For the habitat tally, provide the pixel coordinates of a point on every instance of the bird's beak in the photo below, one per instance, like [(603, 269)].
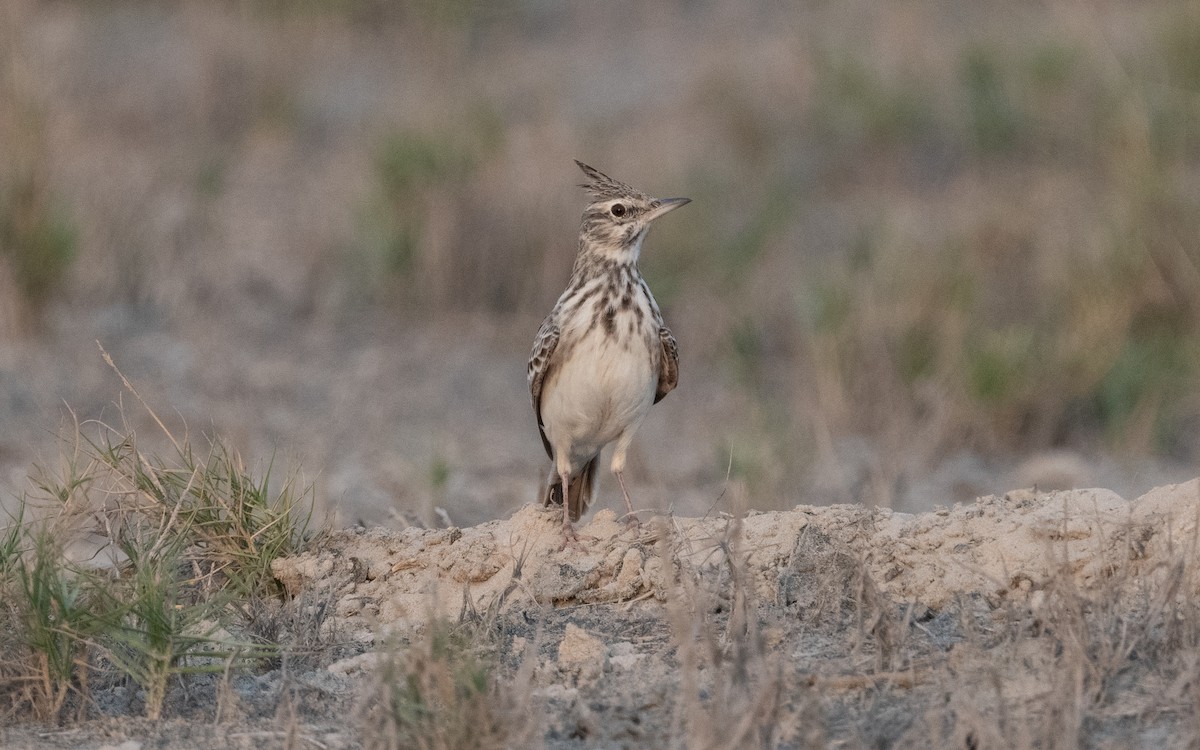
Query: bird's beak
[(665, 205)]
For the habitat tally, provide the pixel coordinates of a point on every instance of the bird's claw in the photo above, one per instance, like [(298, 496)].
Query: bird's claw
[(571, 539)]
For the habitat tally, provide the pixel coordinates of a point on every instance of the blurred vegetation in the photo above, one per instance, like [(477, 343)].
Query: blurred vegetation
[(407, 249), (37, 239), (38, 236), (978, 230), (1021, 335)]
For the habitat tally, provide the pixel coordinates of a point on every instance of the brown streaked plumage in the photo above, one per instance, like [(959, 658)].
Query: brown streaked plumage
[(603, 355)]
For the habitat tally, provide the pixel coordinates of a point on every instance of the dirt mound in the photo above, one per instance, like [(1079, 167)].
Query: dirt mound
[(999, 546), (1032, 619)]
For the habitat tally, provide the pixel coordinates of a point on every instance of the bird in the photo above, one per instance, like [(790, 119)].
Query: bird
[(603, 356)]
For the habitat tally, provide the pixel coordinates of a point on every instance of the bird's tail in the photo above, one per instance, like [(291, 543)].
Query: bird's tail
[(579, 495)]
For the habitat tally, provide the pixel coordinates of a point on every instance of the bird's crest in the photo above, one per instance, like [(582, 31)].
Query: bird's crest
[(602, 187)]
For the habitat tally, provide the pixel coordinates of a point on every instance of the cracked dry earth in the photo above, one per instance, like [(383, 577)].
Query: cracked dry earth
[(1028, 619)]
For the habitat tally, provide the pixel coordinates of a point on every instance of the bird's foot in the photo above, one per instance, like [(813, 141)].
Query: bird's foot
[(570, 539)]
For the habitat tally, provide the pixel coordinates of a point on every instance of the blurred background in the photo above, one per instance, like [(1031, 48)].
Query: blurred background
[(937, 248)]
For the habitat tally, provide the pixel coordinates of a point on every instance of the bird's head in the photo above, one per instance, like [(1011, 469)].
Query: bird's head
[(619, 216)]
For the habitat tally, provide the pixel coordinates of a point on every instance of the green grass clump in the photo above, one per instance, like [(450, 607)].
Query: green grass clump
[(232, 523), (38, 239), (995, 118), (164, 626), (419, 175), (55, 614), (858, 106), (66, 621), (175, 543)]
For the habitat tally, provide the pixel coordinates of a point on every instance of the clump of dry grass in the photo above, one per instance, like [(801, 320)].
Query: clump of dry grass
[(172, 541), (1055, 665), (299, 633), (445, 689), (1069, 667), (437, 694), (733, 691), (227, 523)]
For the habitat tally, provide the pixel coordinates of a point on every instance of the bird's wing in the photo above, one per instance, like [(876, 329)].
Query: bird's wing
[(541, 363), (668, 364)]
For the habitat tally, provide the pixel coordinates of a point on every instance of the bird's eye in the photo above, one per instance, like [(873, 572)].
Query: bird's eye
[(618, 209)]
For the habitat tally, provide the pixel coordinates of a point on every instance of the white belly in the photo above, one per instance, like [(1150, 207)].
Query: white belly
[(604, 388)]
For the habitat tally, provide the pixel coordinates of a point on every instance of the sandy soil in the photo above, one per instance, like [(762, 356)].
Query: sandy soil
[(817, 626), (998, 547)]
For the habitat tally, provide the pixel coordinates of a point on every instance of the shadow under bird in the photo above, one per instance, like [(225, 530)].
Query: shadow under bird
[(603, 356)]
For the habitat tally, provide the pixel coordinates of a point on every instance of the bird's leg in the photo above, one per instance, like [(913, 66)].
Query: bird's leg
[(570, 538), (618, 469), (631, 520)]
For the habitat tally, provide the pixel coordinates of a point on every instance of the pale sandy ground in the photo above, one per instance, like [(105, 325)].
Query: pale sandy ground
[(818, 626), (1000, 547)]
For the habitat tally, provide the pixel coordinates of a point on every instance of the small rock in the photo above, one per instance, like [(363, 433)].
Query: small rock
[(359, 663), (631, 569), (624, 656), (581, 653)]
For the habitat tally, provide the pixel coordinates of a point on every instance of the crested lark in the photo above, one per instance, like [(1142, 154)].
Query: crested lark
[(603, 355)]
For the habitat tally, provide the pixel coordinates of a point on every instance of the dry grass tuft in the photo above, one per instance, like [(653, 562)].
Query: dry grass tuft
[(445, 689), (131, 567), (442, 691), (733, 692), (1069, 667)]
